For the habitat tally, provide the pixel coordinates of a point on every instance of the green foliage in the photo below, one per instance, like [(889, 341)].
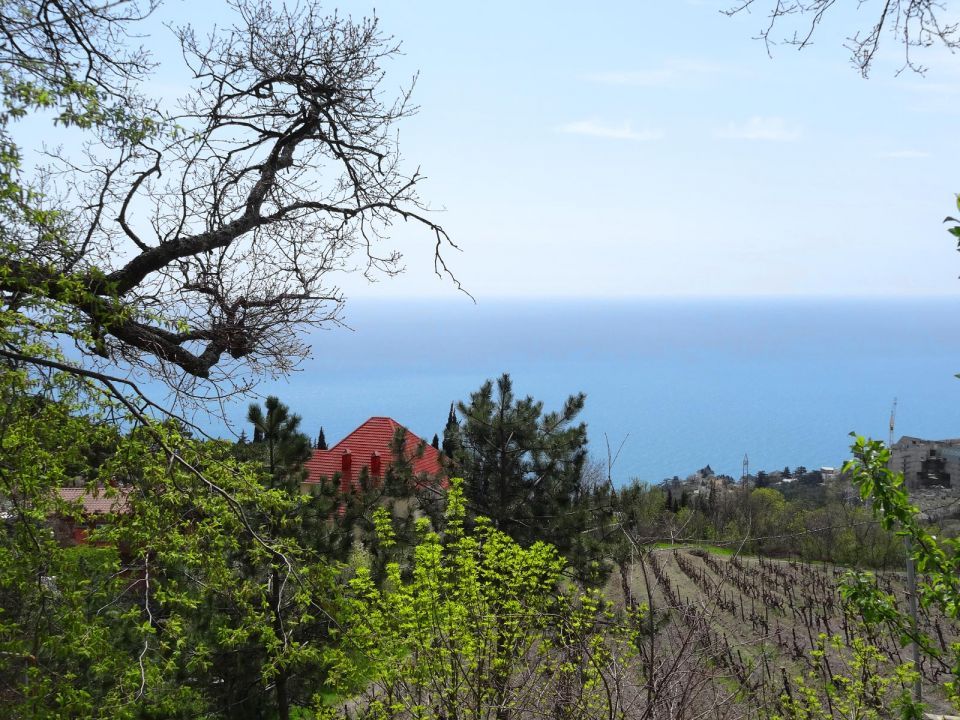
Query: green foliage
[(937, 560), (213, 590), (859, 689), (380, 515), (955, 230), (46, 592), (523, 468), (483, 628), (639, 518), (816, 523), (282, 447), (451, 435), (51, 74), (76, 633)]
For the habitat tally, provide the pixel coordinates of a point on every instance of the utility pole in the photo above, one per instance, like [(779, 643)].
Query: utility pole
[(613, 457), (912, 605), (911, 578)]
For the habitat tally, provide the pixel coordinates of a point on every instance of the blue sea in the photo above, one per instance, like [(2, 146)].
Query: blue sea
[(679, 383)]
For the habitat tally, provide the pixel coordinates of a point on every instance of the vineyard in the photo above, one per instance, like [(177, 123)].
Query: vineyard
[(759, 625)]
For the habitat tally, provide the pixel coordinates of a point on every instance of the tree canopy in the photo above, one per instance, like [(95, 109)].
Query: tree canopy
[(522, 467), (197, 242), (193, 243)]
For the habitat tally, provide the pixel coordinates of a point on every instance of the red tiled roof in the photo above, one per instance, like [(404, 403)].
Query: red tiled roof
[(97, 502), (373, 436)]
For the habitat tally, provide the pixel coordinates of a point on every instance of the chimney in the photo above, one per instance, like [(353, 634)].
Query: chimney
[(345, 479), (375, 464)]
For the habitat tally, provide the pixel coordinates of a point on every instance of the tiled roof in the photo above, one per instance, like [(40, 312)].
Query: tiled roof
[(373, 436), (97, 502)]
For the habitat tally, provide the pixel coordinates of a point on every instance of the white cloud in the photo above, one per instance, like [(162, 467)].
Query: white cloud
[(932, 88), (638, 78), (623, 131), (773, 129), (671, 73), (905, 154)]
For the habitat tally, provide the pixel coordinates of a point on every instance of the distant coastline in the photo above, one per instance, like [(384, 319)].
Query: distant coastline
[(690, 381)]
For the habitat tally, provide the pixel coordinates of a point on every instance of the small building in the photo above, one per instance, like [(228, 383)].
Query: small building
[(370, 447), (95, 506), (927, 463)]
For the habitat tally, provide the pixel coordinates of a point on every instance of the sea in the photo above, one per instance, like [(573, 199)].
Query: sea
[(671, 385)]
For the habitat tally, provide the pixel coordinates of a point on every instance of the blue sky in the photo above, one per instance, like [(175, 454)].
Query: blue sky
[(647, 149), (652, 148)]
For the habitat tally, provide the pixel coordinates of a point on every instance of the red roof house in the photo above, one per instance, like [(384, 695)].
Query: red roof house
[(370, 446), (95, 506), (98, 502)]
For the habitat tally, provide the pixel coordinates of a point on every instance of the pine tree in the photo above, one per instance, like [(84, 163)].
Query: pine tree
[(522, 467), (300, 522), (287, 447), (287, 450)]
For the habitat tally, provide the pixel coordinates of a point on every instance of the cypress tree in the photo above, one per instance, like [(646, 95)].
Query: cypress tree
[(451, 434), (436, 441), (321, 440)]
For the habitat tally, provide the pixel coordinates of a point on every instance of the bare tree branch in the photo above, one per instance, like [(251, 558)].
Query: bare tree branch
[(206, 239), (912, 23)]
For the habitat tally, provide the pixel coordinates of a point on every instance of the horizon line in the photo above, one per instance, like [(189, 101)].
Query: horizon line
[(480, 299)]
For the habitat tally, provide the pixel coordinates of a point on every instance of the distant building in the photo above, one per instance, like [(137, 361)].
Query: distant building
[(927, 463), (370, 447), (95, 506)]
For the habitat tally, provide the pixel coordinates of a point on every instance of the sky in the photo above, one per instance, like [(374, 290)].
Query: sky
[(654, 148), (635, 149)]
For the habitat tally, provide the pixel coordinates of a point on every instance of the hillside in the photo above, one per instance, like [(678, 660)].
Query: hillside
[(756, 623)]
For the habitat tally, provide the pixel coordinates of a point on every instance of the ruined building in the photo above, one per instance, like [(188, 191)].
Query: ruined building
[(927, 463)]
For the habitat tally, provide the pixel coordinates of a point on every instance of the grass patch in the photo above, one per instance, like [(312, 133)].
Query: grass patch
[(714, 549)]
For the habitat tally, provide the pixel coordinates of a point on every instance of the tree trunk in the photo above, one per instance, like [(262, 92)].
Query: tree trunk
[(280, 685), (624, 567)]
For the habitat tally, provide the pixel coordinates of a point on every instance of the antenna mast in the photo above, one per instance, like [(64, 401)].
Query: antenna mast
[(893, 420), (746, 468)]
